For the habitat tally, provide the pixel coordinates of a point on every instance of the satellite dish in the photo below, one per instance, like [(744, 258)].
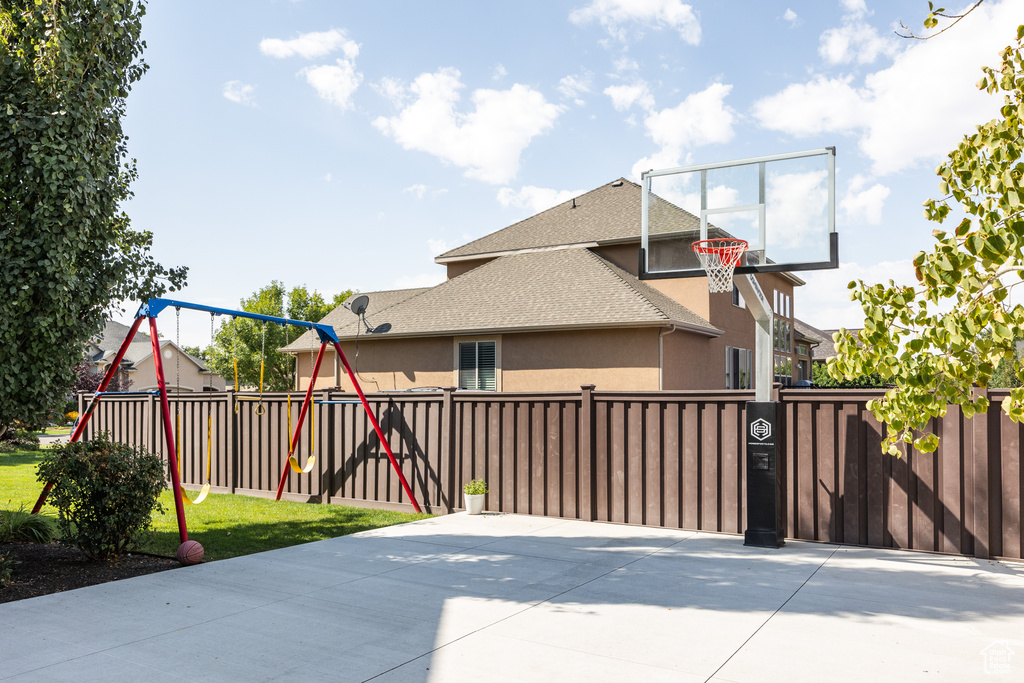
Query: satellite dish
[(358, 304)]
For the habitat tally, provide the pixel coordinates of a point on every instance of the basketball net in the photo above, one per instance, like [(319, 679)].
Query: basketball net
[(719, 258)]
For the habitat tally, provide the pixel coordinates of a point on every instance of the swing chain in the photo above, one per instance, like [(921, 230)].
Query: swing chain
[(208, 352), (260, 408)]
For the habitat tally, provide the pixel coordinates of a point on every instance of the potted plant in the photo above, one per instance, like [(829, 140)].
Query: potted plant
[(475, 493)]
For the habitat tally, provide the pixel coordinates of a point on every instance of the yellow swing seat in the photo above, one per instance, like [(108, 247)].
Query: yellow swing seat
[(205, 491), (293, 462)]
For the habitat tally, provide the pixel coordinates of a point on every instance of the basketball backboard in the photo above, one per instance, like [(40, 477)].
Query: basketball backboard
[(783, 205)]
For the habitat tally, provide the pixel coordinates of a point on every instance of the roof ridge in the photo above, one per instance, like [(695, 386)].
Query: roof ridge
[(536, 215)]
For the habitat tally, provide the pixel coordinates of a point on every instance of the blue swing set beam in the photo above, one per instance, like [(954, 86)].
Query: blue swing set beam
[(154, 307)]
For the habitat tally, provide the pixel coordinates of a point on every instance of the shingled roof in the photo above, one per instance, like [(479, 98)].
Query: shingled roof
[(555, 289), (341, 316), (607, 215)]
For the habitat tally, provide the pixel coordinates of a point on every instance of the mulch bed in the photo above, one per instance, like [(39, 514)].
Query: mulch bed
[(51, 568)]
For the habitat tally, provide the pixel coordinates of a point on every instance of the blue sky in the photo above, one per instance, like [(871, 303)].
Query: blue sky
[(343, 145)]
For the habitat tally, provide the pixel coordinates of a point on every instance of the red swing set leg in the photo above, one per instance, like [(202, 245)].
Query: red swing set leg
[(369, 414), (165, 409)]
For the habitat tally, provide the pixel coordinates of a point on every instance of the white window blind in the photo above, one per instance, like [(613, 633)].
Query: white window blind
[(477, 366)]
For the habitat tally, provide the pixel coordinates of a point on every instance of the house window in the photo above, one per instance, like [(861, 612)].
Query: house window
[(738, 368), (783, 335), (477, 366), (737, 298), (801, 349), (783, 369), (782, 304)]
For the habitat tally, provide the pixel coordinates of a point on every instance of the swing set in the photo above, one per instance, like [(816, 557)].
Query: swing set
[(151, 310)]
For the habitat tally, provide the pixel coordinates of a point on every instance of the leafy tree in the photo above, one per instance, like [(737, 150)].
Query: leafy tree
[(249, 341), (820, 377), (936, 341), (86, 379), (68, 251)]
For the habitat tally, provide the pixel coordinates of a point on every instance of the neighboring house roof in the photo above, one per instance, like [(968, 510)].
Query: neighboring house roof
[(607, 215), (825, 347), (556, 289), (340, 316), (108, 342), (811, 333)]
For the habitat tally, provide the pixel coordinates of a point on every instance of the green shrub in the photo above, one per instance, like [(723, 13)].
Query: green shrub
[(826, 381), (18, 440), (21, 526), (105, 493), (475, 487), (7, 565)]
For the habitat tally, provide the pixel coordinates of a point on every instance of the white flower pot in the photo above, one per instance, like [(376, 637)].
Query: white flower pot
[(475, 503)]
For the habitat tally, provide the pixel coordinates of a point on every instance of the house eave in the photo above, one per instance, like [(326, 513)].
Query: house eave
[(480, 331)]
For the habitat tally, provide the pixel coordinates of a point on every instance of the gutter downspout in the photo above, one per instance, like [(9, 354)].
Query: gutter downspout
[(661, 355)]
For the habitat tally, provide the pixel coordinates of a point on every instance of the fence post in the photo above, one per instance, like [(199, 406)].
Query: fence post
[(81, 411), (587, 456), (446, 466), (326, 434), (981, 522), (231, 456)]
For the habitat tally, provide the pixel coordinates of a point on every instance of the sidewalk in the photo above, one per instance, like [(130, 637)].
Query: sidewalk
[(516, 598)]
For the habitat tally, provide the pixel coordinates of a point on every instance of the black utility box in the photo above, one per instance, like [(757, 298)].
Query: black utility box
[(766, 512)]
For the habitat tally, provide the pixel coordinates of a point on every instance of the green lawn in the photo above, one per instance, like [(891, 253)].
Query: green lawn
[(226, 525)]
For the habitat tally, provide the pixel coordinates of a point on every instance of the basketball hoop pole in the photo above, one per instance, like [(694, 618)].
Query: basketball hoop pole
[(764, 360)]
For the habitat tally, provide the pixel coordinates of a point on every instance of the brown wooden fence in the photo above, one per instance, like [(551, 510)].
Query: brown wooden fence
[(672, 459)]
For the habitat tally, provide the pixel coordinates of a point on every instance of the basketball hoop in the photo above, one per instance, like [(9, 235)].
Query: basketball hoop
[(719, 257)]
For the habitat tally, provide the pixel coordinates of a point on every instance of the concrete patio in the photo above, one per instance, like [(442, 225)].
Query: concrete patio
[(516, 598)]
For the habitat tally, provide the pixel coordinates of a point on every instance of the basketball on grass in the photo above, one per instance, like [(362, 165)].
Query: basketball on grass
[(190, 552)]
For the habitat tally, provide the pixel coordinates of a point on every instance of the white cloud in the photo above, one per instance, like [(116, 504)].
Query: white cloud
[(913, 111), (421, 280), (791, 17), (616, 15), (239, 92), (856, 41), (625, 96), (702, 118), (864, 204), (624, 63), (328, 177), (487, 141), (535, 199), (392, 89), (572, 86), (310, 45), (499, 72), (822, 104), (417, 190), (855, 7), (336, 84), (824, 301), (438, 247), (797, 204)]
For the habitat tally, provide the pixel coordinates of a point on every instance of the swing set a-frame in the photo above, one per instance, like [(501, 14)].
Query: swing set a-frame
[(151, 309)]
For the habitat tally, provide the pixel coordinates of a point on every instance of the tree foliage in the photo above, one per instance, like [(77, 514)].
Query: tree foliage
[(250, 341), (821, 378), (936, 341), (68, 252)]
